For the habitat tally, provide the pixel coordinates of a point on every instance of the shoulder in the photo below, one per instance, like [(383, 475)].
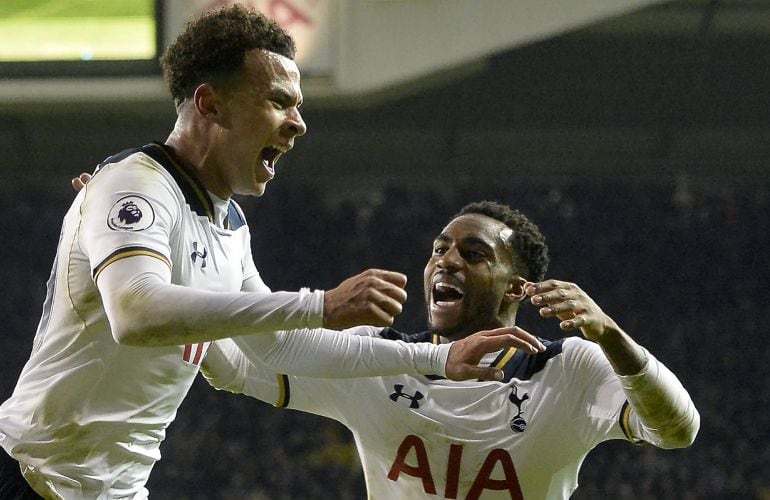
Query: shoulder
[(584, 356), (131, 170)]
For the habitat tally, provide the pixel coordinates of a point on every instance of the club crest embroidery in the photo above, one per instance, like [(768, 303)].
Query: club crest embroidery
[(518, 424), (131, 213)]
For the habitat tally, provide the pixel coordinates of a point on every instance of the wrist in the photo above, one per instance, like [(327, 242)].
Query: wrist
[(626, 356)]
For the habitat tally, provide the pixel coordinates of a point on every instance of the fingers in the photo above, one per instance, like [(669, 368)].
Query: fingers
[(501, 338), (383, 307), (393, 277), (468, 372), (560, 299), (551, 291), (575, 323), (486, 373), (465, 354), (389, 283), (570, 304), (80, 181), (373, 297)]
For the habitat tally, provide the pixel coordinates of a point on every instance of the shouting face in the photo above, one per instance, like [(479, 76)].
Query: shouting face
[(469, 276), (261, 119)]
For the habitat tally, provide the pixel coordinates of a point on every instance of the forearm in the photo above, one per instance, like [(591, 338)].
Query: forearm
[(333, 354), (624, 354), (145, 309)]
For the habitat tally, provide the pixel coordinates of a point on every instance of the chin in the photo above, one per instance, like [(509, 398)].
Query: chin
[(257, 189)]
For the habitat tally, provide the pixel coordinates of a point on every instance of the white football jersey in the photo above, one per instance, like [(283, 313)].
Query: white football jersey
[(88, 415), (428, 437)]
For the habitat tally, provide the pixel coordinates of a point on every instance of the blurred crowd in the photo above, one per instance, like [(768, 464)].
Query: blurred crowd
[(683, 268)]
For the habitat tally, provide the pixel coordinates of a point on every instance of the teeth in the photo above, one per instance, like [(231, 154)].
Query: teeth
[(441, 286)]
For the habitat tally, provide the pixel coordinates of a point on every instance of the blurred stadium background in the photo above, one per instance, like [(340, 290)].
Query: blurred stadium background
[(636, 133)]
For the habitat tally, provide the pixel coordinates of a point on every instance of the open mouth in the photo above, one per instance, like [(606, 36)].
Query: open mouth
[(446, 294), (269, 157)]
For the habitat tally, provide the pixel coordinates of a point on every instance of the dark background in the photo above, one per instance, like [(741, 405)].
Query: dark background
[(642, 156)]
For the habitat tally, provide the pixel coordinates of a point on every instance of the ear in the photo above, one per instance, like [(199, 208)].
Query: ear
[(515, 291), (206, 101)]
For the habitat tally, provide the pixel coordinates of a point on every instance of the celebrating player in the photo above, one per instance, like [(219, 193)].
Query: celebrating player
[(154, 267), (421, 436)]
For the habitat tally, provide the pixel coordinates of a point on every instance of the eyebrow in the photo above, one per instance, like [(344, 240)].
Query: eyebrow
[(473, 240), (285, 96)]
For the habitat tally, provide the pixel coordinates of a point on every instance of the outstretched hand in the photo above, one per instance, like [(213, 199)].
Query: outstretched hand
[(374, 297), (570, 304), (465, 354)]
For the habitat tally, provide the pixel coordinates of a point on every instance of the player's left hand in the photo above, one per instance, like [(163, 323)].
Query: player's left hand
[(80, 181), (570, 304), (465, 354)]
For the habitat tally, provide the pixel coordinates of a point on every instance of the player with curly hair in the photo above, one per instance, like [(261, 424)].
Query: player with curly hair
[(525, 436), (154, 276)]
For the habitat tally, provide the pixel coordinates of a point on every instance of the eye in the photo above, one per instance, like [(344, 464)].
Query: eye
[(439, 250), (474, 255)]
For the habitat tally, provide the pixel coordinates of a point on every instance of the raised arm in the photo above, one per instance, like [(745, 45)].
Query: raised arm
[(665, 410)]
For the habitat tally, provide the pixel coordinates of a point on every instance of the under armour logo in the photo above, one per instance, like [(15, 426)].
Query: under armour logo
[(399, 388), (518, 424), (196, 254)]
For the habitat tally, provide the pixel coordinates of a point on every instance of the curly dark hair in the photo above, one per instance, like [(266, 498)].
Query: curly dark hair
[(526, 240), (212, 48)]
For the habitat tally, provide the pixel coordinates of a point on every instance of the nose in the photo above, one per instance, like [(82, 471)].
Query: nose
[(295, 124)]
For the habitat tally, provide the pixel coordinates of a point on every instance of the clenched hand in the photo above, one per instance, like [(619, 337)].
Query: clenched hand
[(373, 297)]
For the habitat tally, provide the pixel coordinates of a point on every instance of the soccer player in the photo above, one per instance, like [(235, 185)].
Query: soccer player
[(154, 268), (526, 436)]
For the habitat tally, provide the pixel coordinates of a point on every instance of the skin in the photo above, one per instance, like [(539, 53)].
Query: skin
[(472, 254), (577, 311), (223, 133)]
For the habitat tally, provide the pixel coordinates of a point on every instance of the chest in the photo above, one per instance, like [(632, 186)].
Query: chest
[(208, 257), (454, 439)]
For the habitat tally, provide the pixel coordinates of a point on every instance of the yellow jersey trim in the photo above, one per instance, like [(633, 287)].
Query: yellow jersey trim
[(128, 252), (283, 390)]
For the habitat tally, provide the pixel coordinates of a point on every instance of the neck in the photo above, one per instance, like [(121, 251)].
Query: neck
[(190, 140), (463, 331)]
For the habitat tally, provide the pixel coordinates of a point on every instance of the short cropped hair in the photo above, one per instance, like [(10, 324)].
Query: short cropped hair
[(212, 48), (526, 240)]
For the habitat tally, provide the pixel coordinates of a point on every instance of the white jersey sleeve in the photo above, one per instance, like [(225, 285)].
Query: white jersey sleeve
[(128, 211), (663, 412), (355, 352), (593, 386)]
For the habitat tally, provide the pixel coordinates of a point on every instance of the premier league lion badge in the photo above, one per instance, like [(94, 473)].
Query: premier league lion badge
[(131, 213)]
